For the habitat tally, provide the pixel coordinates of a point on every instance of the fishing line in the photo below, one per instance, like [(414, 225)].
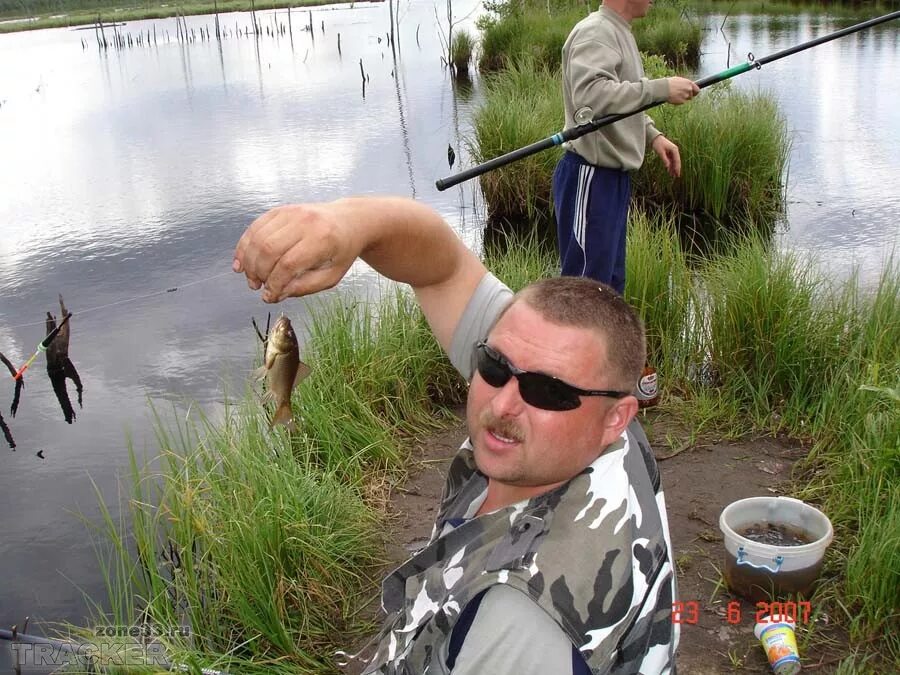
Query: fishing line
[(42, 346), (136, 298)]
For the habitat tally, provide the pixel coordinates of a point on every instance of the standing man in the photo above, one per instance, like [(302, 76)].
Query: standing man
[(550, 552), (603, 75)]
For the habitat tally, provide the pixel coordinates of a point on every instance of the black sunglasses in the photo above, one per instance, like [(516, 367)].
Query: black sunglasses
[(536, 389)]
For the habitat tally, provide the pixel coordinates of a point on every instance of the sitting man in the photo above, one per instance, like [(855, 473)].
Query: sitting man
[(551, 552)]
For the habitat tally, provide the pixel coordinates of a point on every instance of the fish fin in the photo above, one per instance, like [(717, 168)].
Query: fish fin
[(267, 396), (268, 360), (283, 415), (260, 373), (62, 307), (303, 372)]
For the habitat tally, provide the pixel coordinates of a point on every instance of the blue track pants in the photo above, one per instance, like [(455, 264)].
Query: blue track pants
[(591, 205)]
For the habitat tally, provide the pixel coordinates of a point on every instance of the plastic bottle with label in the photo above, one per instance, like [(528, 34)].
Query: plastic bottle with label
[(647, 392)]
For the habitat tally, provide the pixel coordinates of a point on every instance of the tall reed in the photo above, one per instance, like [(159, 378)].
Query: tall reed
[(259, 557), (734, 153), (520, 105), (461, 49), (658, 281)]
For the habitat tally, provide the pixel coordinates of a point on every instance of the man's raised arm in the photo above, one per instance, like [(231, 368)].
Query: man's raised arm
[(301, 249)]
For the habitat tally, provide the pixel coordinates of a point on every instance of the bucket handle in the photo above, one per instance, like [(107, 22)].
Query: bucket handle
[(779, 559)]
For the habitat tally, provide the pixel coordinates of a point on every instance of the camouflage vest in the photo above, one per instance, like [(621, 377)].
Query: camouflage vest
[(593, 554)]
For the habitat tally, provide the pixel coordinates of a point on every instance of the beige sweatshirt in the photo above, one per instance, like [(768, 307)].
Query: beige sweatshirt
[(602, 70)]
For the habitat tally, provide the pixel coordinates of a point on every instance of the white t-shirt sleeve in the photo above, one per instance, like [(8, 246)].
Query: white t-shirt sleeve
[(511, 635), (490, 297)]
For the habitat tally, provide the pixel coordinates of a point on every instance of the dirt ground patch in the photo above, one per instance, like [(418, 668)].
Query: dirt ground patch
[(699, 480)]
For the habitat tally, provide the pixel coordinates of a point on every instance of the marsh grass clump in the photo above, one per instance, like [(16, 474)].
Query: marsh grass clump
[(259, 556), (379, 377), (516, 30), (520, 105), (734, 162), (520, 257), (822, 363), (526, 31), (789, 351), (734, 154), (673, 33), (461, 49), (659, 283)]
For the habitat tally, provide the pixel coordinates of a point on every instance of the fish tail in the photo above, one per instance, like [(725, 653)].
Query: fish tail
[(283, 415)]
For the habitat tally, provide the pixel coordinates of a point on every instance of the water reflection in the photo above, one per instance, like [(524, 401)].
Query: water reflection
[(839, 99)]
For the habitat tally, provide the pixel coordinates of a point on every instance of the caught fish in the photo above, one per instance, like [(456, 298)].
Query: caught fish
[(7, 434), (59, 366), (283, 369)]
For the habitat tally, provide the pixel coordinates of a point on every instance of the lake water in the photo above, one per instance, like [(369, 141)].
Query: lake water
[(132, 172), (840, 102)]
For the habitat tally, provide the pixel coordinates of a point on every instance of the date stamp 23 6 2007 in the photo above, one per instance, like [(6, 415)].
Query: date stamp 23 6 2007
[(688, 612)]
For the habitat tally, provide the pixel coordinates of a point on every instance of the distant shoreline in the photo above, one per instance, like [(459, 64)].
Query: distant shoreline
[(114, 14)]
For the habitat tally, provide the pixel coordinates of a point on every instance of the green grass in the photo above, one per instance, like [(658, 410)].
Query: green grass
[(513, 31), (461, 48), (734, 146), (517, 32), (672, 31), (277, 532), (262, 558), (734, 150), (785, 350), (521, 105), (660, 284)]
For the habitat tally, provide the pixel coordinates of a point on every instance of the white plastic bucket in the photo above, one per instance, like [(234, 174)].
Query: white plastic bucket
[(758, 570)]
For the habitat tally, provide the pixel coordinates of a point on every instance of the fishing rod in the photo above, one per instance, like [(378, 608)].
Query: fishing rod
[(578, 131), (84, 649)]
